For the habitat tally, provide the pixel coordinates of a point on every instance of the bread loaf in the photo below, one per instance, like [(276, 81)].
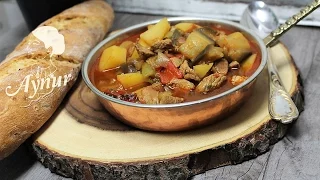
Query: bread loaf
[(34, 81)]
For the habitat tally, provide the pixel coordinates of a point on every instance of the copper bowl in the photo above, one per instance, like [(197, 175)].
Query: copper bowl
[(181, 116)]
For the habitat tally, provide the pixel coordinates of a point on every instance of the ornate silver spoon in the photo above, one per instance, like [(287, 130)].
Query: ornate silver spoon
[(260, 18)]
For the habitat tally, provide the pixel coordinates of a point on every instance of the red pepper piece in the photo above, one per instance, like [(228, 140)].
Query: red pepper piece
[(174, 70), (169, 73), (165, 76)]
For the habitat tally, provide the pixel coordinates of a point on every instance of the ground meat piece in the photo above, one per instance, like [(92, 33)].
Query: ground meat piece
[(167, 98), (192, 76), (155, 79), (144, 52), (148, 95), (221, 67), (181, 40), (187, 72), (234, 65), (210, 82), (161, 60), (137, 63), (162, 45), (181, 83), (157, 86), (152, 61), (236, 80)]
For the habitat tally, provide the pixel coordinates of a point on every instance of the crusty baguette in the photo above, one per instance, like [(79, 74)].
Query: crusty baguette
[(29, 67)]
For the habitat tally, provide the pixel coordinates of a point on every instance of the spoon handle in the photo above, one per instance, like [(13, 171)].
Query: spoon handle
[(274, 35), (281, 106)]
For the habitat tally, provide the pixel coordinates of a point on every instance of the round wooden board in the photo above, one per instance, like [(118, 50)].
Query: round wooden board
[(71, 145)]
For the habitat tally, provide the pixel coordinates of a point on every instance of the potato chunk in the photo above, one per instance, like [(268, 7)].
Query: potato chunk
[(127, 44), (248, 63), (185, 27), (134, 56), (112, 57), (143, 43), (130, 79), (202, 69), (156, 32), (236, 46)]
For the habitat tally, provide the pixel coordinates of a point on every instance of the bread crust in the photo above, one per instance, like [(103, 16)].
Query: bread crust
[(33, 83)]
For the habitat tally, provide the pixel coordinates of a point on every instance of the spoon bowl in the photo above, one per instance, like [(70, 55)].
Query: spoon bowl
[(260, 18)]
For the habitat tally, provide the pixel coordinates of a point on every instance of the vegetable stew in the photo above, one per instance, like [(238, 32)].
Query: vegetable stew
[(172, 64)]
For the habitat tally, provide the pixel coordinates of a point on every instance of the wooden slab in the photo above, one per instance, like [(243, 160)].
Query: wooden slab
[(70, 144)]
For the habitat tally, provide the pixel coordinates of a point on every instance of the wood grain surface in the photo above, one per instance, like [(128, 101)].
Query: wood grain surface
[(113, 151), (295, 157)]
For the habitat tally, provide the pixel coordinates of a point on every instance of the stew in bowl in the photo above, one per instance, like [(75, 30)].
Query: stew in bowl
[(168, 64), (175, 74)]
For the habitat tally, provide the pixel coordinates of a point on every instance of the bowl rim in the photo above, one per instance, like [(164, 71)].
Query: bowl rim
[(85, 65)]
